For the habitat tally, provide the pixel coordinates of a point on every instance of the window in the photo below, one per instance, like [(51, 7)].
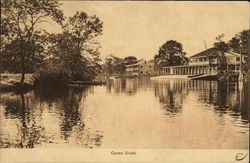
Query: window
[(141, 66), (141, 72), (237, 58)]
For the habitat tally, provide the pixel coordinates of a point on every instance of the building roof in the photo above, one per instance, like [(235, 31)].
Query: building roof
[(206, 53), (139, 62), (134, 64), (211, 52)]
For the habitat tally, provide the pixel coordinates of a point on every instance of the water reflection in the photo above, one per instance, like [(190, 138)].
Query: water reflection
[(192, 114), (45, 116), (170, 94)]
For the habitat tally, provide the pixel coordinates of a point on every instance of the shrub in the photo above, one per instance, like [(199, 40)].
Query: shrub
[(53, 73)]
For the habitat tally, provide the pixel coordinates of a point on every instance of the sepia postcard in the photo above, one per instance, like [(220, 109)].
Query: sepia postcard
[(124, 81)]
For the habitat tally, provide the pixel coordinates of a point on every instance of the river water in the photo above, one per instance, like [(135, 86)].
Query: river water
[(128, 113)]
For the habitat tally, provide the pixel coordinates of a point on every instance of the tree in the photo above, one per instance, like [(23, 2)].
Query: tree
[(130, 60), (77, 47), (114, 65), (222, 47), (170, 54), (21, 20), (239, 43), (12, 51)]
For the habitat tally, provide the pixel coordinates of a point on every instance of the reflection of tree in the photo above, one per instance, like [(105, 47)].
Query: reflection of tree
[(173, 104), (123, 85), (119, 86), (70, 111), (63, 104), (108, 86), (222, 96), (30, 133), (67, 101), (226, 97), (244, 101), (131, 86), (128, 86), (51, 94), (171, 94)]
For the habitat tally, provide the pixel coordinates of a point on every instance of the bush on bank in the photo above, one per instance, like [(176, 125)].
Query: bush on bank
[(51, 73), (56, 73), (228, 76)]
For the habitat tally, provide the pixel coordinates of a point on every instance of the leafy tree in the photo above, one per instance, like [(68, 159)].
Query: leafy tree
[(222, 47), (11, 56), (170, 54), (130, 60), (239, 43), (119, 67), (77, 47), (21, 20), (109, 64), (114, 65)]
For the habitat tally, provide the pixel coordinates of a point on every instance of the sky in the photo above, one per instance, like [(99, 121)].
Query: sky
[(137, 28)]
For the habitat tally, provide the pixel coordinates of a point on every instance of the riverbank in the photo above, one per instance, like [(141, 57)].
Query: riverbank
[(95, 82), (10, 82)]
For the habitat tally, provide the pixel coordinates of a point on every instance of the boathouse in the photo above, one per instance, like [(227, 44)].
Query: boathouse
[(205, 62)]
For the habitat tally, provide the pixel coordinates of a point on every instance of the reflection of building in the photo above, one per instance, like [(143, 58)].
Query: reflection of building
[(142, 68), (205, 62)]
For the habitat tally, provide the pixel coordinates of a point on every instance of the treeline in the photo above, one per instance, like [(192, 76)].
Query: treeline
[(26, 47)]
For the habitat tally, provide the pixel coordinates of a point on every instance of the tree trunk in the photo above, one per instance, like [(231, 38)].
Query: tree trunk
[(22, 71)]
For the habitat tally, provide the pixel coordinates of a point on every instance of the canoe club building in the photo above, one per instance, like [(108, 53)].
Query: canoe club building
[(205, 62)]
